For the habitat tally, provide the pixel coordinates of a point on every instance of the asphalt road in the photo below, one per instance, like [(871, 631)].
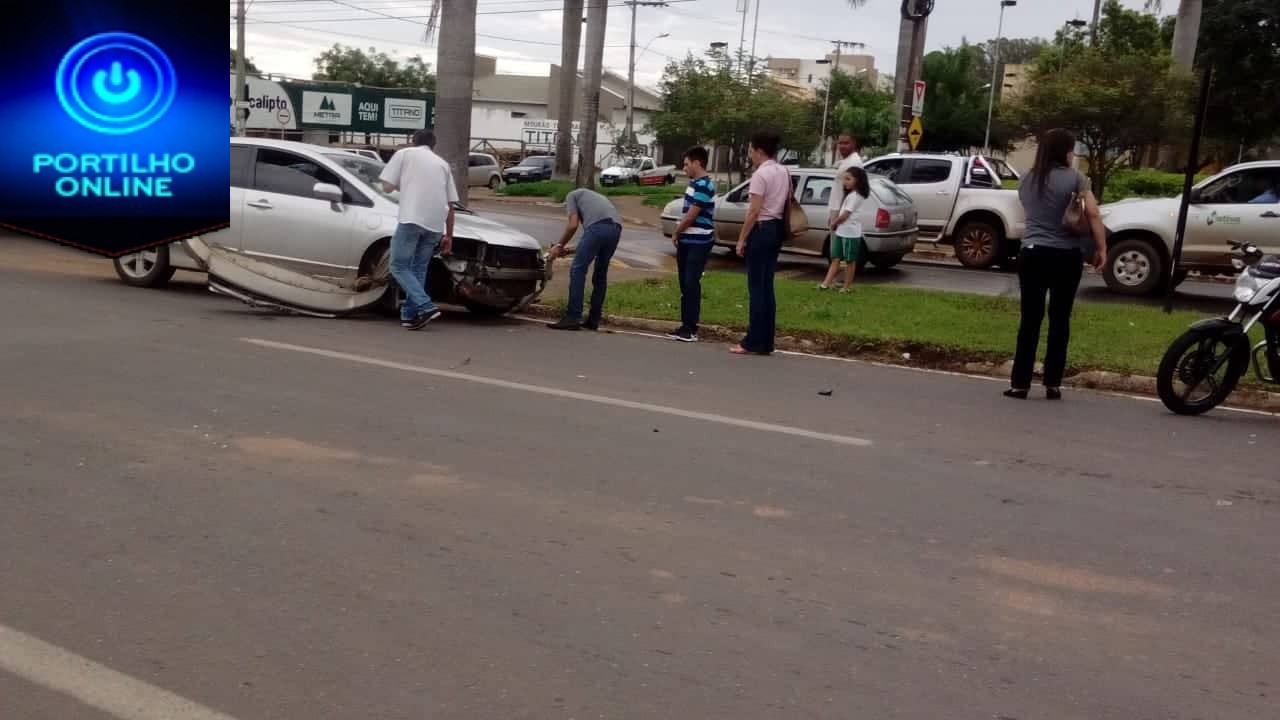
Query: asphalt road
[(643, 248), (213, 513)]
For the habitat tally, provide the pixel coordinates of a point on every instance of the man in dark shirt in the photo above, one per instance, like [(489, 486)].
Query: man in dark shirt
[(601, 229), (694, 237)]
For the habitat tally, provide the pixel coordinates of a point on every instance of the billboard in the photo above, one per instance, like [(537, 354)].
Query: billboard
[(300, 104)]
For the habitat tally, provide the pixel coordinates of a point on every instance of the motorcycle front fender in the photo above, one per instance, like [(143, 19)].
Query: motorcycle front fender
[(1218, 325)]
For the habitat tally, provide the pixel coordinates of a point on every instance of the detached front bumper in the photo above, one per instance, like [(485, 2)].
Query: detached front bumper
[(498, 288)]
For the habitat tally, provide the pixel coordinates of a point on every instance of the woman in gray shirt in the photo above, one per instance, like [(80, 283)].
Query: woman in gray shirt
[(1051, 260)]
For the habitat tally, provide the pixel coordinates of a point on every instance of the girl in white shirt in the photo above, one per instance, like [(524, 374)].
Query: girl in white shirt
[(846, 238)]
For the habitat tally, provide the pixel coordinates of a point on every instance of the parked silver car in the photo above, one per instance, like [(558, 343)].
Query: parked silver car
[(1241, 203), (320, 213), (888, 217), (483, 171)]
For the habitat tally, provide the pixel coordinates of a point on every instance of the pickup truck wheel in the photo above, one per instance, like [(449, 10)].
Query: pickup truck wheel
[(145, 268), (670, 180), (1134, 267), (978, 244)]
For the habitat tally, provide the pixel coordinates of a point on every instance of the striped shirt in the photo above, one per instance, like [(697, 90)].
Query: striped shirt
[(702, 194)]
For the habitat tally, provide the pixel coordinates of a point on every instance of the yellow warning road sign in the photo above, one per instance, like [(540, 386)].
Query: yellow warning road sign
[(915, 132)]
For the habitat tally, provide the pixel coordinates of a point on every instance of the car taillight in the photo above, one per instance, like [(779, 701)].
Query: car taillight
[(882, 219)]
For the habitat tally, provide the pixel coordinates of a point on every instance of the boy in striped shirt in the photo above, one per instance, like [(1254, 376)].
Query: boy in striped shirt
[(694, 237)]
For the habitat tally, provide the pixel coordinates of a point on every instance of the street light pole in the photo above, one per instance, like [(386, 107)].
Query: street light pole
[(995, 68), (629, 135)]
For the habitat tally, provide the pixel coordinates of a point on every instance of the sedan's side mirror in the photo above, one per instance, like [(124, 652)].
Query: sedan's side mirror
[(327, 191), (1195, 196)]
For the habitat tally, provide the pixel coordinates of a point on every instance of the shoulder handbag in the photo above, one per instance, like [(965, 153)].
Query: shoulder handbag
[(1076, 219), (797, 221)]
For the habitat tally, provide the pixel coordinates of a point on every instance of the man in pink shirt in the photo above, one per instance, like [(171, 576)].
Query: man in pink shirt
[(761, 241)]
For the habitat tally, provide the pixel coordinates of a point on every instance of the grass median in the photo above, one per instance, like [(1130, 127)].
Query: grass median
[(938, 328)]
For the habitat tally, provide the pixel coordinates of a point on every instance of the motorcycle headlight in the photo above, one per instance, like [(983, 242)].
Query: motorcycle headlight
[(1246, 287)]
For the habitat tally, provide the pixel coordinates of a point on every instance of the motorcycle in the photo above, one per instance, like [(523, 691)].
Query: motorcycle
[(1202, 367)]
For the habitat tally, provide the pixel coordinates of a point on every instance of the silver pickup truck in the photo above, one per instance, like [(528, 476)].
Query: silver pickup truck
[(960, 203), (1241, 203)]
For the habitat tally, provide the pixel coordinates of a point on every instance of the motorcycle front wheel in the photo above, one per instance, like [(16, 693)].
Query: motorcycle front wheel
[(1200, 370)]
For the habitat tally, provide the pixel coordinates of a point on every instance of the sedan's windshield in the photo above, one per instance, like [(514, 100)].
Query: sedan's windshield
[(532, 162), (367, 169)]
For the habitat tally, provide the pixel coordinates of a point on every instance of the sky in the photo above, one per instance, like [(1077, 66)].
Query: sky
[(284, 36)]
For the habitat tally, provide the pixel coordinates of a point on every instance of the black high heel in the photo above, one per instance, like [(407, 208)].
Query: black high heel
[(1016, 394)]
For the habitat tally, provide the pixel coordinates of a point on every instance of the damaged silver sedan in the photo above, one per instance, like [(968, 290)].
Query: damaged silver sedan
[(311, 233)]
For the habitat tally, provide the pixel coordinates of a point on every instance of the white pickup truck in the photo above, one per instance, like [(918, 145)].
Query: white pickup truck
[(638, 170), (960, 203), (1241, 203)]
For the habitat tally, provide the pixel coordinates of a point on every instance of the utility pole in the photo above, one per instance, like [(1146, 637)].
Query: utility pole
[(1097, 18), (755, 32), (629, 136), (240, 95), (744, 7)]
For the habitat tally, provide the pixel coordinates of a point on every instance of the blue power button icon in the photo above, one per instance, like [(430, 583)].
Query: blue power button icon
[(116, 83)]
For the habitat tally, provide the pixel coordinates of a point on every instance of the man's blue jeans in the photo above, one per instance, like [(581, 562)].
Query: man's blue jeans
[(599, 241), (412, 248)]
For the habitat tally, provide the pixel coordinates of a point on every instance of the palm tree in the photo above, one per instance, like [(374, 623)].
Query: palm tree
[(593, 72), (570, 39), (456, 71), (1186, 31)]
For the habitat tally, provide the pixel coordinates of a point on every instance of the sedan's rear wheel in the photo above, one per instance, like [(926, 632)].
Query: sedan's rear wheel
[(495, 182), (145, 268)]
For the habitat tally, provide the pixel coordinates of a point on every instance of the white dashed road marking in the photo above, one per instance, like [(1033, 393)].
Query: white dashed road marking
[(568, 394), (94, 685)]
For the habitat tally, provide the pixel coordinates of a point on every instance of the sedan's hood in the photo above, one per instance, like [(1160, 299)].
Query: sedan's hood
[(492, 232), (469, 226), (617, 170)]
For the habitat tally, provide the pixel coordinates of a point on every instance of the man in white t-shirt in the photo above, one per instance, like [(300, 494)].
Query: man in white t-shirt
[(427, 194), (847, 147)]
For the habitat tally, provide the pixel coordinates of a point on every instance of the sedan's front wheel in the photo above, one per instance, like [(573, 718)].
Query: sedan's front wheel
[(145, 268)]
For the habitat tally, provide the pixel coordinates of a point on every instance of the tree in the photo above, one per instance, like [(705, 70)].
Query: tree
[(707, 102), (1241, 40), (456, 57), (248, 63), (859, 109), (375, 69), (1115, 104), (570, 39), (955, 112), (593, 74), (1013, 51)]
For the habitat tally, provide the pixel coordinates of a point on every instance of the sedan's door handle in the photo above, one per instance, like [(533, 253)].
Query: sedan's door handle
[(943, 192), (264, 204), (1270, 214)]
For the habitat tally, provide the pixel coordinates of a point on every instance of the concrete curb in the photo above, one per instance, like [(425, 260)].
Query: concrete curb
[(1242, 398)]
